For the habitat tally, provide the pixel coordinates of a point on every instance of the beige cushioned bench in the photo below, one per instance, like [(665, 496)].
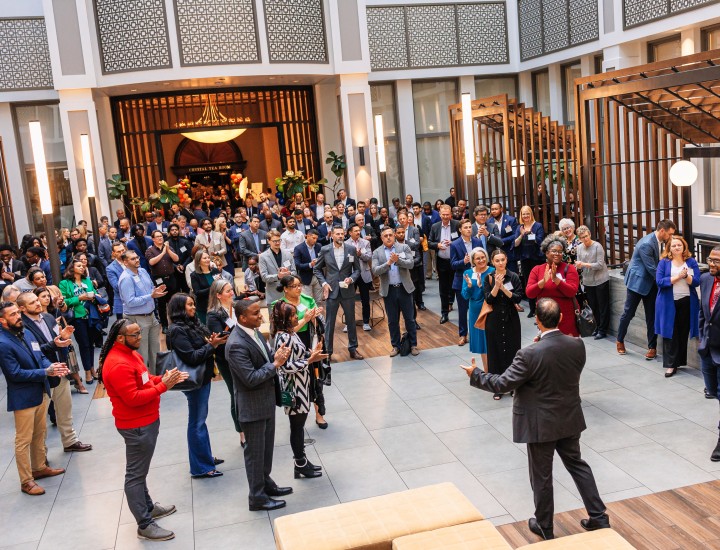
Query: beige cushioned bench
[(478, 535), (602, 539), (373, 523)]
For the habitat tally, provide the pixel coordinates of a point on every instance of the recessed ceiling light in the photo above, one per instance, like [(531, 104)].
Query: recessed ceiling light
[(166, 84), (134, 90), (221, 79), (272, 78), (295, 81)]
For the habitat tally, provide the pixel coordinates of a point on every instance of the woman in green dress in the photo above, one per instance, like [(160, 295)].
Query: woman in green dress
[(307, 312)]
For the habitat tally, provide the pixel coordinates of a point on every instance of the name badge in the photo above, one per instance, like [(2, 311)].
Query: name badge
[(454, 235), (302, 308), (474, 277), (401, 255), (230, 322), (263, 241), (508, 285), (216, 276), (531, 236), (35, 346), (508, 229), (183, 248), (382, 226), (351, 259), (145, 378), (286, 263), (158, 281), (411, 240)]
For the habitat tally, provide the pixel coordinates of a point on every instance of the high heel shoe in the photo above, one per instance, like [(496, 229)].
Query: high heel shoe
[(670, 373), (313, 466), (305, 469)]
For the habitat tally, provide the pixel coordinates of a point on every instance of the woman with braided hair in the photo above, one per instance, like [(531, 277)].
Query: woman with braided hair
[(135, 397)]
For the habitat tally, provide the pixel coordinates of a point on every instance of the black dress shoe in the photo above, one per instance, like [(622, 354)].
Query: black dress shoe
[(278, 491), (592, 524), (715, 456), (417, 326), (545, 534), (422, 307), (708, 395), (267, 506), (444, 319)]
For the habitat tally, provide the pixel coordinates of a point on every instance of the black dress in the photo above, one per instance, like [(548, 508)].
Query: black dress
[(502, 328)]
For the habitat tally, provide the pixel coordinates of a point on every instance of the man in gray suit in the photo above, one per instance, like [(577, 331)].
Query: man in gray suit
[(392, 262), (252, 242), (338, 268), (547, 415), (275, 263), (253, 367), (364, 254)]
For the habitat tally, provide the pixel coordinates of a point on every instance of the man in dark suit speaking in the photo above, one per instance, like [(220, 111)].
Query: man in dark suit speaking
[(257, 392), (547, 415), (709, 346)]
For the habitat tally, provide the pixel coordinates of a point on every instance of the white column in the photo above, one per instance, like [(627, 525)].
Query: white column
[(525, 86), (556, 93), (328, 125), (11, 147), (408, 144)]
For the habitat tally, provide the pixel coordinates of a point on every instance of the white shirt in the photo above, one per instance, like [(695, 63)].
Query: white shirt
[(681, 288), (290, 239), (339, 252)]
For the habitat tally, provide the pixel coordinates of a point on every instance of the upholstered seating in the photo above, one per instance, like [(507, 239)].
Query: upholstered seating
[(373, 523), (478, 535)]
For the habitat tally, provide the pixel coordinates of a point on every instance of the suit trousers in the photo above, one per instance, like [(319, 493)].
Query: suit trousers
[(139, 450), (462, 313), (445, 278), (331, 308), (63, 412), (711, 375), (632, 301), (260, 437), (540, 460), (150, 343), (400, 301), (314, 289), (364, 289), (417, 275), (30, 432), (430, 262), (675, 348)]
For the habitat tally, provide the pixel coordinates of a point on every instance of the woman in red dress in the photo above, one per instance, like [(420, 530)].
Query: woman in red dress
[(557, 280)]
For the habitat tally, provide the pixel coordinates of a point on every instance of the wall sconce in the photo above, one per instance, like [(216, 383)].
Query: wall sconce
[(362, 156)]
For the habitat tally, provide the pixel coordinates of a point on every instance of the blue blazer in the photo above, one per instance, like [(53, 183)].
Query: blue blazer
[(24, 370), (301, 255), (665, 304), (530, 250), (709, 322), (132, 245), (152, 226), (457, 259), (323, 238), (640, 274), (508, 236)]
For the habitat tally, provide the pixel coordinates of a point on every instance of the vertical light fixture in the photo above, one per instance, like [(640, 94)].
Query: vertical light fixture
[(469, 148), (90, 186), (382, 165), (46, 208)]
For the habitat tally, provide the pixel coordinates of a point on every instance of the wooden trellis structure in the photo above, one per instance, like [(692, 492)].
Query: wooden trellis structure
[(633, 125), (522, 158)]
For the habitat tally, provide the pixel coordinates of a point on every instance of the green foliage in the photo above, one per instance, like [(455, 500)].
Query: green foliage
[(338, 164), (117, 187)]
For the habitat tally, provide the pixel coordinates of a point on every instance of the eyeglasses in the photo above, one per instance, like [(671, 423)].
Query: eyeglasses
[(134, 335), (293, 286), (555, 251), (712, 261)]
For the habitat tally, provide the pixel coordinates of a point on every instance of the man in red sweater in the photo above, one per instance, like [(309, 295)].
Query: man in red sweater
[(135, 397)]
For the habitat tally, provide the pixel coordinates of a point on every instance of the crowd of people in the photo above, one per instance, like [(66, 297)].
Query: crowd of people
[(199, 273)]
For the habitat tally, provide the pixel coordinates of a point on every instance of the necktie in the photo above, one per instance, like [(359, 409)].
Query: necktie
[(715, 296), (262, 346)]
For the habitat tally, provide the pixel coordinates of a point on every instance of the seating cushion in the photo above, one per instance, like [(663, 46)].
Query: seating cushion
[(478, 535), (373, 523), (602, 539)]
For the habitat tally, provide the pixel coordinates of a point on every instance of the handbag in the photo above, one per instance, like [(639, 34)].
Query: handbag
[(288, 399), (584, 318), (168, 360), (484, 311), (72, 360)]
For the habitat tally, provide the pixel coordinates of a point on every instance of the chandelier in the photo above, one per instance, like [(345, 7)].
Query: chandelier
[(212, 117)]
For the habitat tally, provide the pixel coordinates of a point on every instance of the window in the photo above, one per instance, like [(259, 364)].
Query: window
[(569, 74), (711, 38), (667, 48), (488, 87), (431, 101), (383, 103), (62, 202), (711, 169), (541, 92)]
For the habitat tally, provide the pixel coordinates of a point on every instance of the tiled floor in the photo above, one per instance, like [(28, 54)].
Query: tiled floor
[(394, 424)]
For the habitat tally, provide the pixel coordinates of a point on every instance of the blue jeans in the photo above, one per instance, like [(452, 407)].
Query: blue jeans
[(632, 301), (198, 438)]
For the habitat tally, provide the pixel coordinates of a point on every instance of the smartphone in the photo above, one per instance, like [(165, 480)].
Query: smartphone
[(224, 333), (62, 322)]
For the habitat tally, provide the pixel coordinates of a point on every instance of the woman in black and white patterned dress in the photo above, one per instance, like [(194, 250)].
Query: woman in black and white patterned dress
[(295, 378)]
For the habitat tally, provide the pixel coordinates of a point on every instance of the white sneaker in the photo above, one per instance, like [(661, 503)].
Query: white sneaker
[(345, 328), (366, 327)]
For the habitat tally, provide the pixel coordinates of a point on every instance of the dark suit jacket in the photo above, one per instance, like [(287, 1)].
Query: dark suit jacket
[(334, 273), (493, 240), (348, 202), (246, 242), (457, 260), (545, 377), (24, 370), (435, 232), (301, 255), (507, 236), (709, 345), (323, 232), (641, 272), (18, 269), (274, 224), (53, 353), (257, 389)]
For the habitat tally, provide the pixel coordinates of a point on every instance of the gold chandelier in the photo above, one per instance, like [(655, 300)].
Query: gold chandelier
[(212, 117)]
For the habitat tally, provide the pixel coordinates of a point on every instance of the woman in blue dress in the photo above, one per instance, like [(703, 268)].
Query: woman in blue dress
[(472, 291)]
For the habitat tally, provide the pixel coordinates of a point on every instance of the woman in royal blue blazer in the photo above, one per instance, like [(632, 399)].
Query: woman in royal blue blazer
[(677, 306)]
